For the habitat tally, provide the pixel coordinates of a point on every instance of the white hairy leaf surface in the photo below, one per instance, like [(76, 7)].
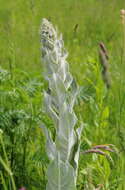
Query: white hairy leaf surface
[(50, 145), (60, 176), (49, 108), (66, 136)]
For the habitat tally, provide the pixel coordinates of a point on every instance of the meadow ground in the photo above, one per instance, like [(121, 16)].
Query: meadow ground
[(84, 24)]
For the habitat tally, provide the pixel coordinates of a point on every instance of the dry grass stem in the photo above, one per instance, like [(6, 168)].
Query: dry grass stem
[(104, 58)]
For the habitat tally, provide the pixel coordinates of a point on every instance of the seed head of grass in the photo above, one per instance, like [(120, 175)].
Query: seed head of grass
[(122, 14)]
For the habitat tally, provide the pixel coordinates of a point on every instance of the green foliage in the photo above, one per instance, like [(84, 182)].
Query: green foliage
[(20, 113)]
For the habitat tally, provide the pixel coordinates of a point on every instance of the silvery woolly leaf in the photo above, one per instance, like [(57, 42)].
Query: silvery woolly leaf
[(62, 69), (73, 94), (49, 108), (76, 150), (68, 80), (65, 137), (60, 176), (79, 133), (50, 66), (50, 145), (58, 88)]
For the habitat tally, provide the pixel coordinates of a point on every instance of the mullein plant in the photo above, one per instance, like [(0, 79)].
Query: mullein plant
[(62, 150)]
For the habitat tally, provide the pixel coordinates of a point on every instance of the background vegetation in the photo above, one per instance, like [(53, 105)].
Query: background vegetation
[(83, 24)]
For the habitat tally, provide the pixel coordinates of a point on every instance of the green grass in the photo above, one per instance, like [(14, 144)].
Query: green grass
[(21, 87)]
